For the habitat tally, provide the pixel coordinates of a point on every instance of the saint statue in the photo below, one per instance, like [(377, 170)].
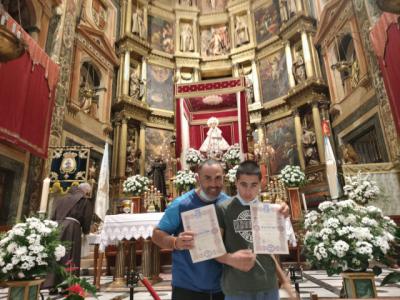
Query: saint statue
[(136, 86), (214, 144), (241, 31), (138, 26), (132, 159), (157, 174), (309, 141), (299, 68), (186, 38), (215, 44)]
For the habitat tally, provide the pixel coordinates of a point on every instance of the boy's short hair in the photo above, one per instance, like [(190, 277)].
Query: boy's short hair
[(248, 167)]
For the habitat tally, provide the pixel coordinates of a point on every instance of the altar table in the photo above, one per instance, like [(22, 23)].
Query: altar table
[(125, 227)]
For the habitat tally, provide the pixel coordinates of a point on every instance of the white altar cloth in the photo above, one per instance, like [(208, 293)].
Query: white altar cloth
[(127, 226)]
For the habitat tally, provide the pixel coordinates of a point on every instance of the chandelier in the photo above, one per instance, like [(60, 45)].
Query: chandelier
[(212, 100)]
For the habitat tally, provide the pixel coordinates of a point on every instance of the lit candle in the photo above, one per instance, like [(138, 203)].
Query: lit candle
[(304, 202), (14, 28), (3, 20), (18, 34), (45, 195)]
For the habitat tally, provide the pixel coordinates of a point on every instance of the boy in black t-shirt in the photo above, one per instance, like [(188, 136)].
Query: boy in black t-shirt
[(256, 279)]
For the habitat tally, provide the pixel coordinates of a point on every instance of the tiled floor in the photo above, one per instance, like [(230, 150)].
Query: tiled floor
[(314, 282)]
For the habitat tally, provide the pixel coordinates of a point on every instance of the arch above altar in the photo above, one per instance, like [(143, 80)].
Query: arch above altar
[(196, 103)]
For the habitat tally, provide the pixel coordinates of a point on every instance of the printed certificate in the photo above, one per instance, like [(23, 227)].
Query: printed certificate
[(268, 229), (208, 242)]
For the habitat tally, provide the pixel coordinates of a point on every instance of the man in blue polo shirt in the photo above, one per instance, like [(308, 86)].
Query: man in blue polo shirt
[(199, 281)]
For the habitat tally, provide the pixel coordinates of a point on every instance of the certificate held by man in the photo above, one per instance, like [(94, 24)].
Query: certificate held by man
[(269, 229), (208, 242)]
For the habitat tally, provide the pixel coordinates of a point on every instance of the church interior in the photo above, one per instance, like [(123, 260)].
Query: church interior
[(101, 91)]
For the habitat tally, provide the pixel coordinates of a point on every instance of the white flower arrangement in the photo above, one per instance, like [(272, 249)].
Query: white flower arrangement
[(136, 184), (184, 180), (193, 156), (361, 189), (232, 174), (232, 155), (292, 176), (345, 236), (30, 250)]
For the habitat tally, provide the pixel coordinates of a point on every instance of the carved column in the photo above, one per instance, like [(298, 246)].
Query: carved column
[(298, 130), (142, 146), (178, 78), (235, 70), (232, 28), (119, 280), (126, 73), (117, 130), (144, 78), (146, 258), (123, 4), (289, 61), (122, 148), (128, 17), (315, 58), (256, 83), (156, 263), (318, 131), (196, 74), (145, 20), (194, 30), (307, 54), (250, 27), (177, 35), (299, 6), (119, 78)]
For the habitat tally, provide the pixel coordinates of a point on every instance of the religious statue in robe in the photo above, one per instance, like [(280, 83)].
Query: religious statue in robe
[(157, 174), (214, 144), (241, 31)]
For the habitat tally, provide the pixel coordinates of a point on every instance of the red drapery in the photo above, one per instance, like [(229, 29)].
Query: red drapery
[(234, 125), (385, 38), (27, 90)]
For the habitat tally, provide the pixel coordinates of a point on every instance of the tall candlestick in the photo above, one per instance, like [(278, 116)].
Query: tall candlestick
[(45, 195), (304, 202)]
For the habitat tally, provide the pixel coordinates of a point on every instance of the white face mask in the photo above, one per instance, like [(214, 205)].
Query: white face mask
[(205, 197), (244, 202)]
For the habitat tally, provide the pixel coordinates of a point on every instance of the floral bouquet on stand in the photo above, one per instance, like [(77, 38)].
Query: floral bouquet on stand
[(232, 156), (184, 180), (30, 250), (361, 189), (344, 236), (136, 185), (193, 157), (292, 176)]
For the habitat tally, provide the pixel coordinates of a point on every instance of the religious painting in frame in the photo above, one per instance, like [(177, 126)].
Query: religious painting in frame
[(158, 145), (212, 6), (267, 21), (160, 87), (215, 40), (161, 34), (274, 76), (281, 143)]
